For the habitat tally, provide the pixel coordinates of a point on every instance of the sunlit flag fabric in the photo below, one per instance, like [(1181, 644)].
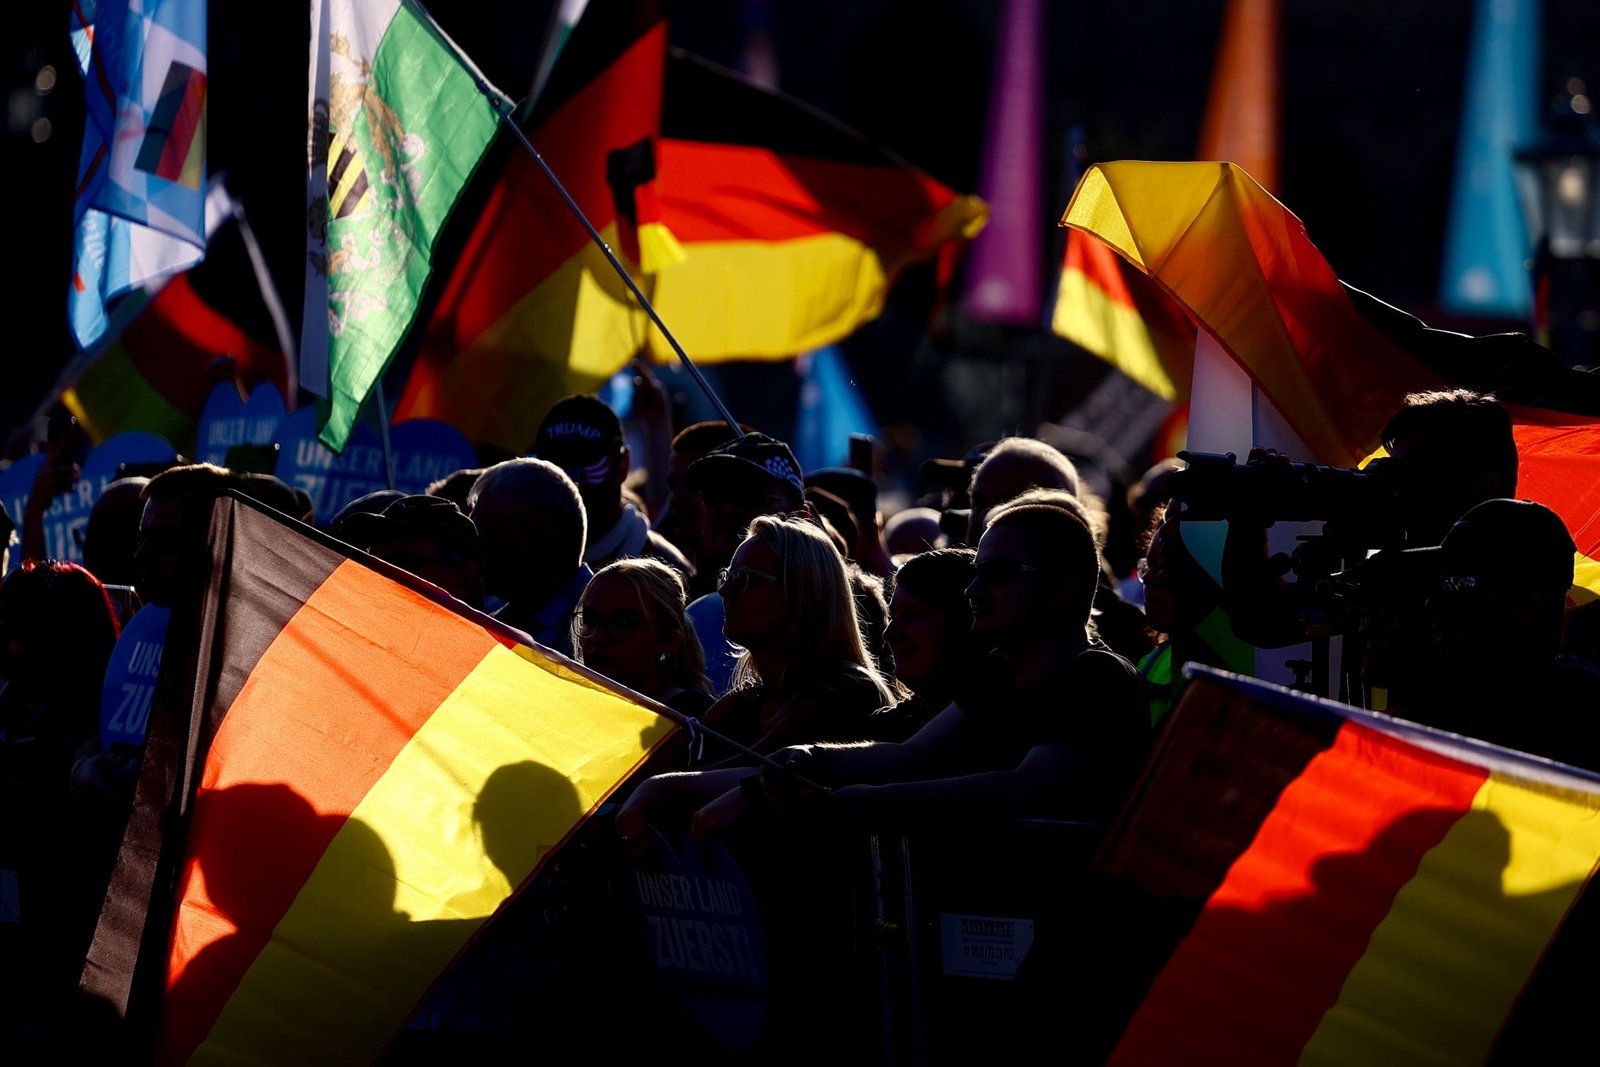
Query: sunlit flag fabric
[(380, 773), (1107, 307), (1242, 267), (398, 123), (139, 207), (793, 226), (532, 311), (1346, 888), (763, 230)]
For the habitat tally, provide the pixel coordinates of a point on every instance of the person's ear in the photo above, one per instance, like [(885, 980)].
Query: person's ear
[(624, 464)]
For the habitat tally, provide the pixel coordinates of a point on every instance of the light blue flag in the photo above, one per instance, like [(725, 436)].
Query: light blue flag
[(139, 210), (831, 408), (1487, 242)]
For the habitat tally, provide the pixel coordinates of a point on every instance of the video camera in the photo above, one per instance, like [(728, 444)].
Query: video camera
[(1360, 504)]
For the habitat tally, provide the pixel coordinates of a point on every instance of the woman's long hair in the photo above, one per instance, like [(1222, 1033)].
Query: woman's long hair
[(662, 598), (823, 631)]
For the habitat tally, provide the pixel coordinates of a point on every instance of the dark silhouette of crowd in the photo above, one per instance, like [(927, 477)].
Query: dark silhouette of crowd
[(972, 660)]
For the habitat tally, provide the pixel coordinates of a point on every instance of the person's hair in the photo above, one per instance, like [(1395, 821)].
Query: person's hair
[(823, 630), (202, 481), (1086, 510), (662, 599), (1050, 469), (703, 436), (73, 627), (1062, 546), (1473, 427), (872, 612), (456, 486), (939, 579), (538, 485)]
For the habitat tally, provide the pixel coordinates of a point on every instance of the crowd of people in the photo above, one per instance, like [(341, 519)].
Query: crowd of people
[(991, 653)]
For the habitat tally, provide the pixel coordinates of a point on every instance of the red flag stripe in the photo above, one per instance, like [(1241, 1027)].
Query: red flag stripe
[(334, 752), (1377, 805)]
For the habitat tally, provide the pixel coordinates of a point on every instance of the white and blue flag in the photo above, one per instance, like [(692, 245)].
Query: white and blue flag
[(139, 210)]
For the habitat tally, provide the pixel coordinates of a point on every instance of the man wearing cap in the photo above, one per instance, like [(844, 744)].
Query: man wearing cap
[(583, 437), (426, 535), (750, 476), (1500, 580), (531, 528)]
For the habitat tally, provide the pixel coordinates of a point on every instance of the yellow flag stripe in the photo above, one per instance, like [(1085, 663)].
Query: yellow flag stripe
[(500, 774), (1088, 317), (815, 290), (1442, 970)]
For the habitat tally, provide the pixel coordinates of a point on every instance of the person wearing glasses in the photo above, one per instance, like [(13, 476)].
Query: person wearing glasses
[(1057, 729), (630, 627)]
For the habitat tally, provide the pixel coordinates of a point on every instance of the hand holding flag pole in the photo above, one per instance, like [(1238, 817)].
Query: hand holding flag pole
[(506, 110)]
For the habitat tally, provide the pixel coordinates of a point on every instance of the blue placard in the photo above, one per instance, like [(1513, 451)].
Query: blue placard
[(331, 481), (69, 512), (15, 484), (130, 683), (700, 929), (425, 450), (229, 420)]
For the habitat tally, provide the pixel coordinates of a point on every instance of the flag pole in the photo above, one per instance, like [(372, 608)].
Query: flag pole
[(381, 406), (504, 108)]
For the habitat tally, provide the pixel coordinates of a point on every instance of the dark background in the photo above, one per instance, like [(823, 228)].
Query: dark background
[(1371, 96)]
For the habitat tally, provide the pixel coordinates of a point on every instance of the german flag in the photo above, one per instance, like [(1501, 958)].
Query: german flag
[(156, 375), (379, 769), (1107, 307), (1336, 363), (764, 229), (1358, 890), (533, 311), (793, 226)]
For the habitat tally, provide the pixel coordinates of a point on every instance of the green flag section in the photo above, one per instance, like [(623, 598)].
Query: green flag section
[(359, 774), (1322, 885), (398, 124)]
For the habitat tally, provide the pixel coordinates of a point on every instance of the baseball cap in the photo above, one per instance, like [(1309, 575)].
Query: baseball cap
[(752, 454), (578, 426), (1506, 542), (411, 516)]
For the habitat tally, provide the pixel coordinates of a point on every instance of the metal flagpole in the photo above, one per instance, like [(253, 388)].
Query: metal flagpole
[(504, 108)]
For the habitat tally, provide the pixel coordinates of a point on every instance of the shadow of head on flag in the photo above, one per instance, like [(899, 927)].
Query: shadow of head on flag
[(344, 781)]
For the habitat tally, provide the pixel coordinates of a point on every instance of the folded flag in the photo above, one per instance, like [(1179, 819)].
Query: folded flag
[(1242, 267), (398, 123), (139, 209), (382, 770), (1346, 888)]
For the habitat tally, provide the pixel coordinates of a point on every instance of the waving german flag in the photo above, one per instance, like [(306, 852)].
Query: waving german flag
[(379, 769), (1358, 890), (759, 228)]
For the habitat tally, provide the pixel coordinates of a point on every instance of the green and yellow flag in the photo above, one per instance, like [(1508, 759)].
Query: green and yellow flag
[(398, 123)]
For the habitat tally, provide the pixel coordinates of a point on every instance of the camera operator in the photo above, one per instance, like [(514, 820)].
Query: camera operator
[(1449, 450), (1500, 580)]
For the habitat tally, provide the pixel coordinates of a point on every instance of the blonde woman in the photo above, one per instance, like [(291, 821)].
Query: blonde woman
[(630, 627)]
